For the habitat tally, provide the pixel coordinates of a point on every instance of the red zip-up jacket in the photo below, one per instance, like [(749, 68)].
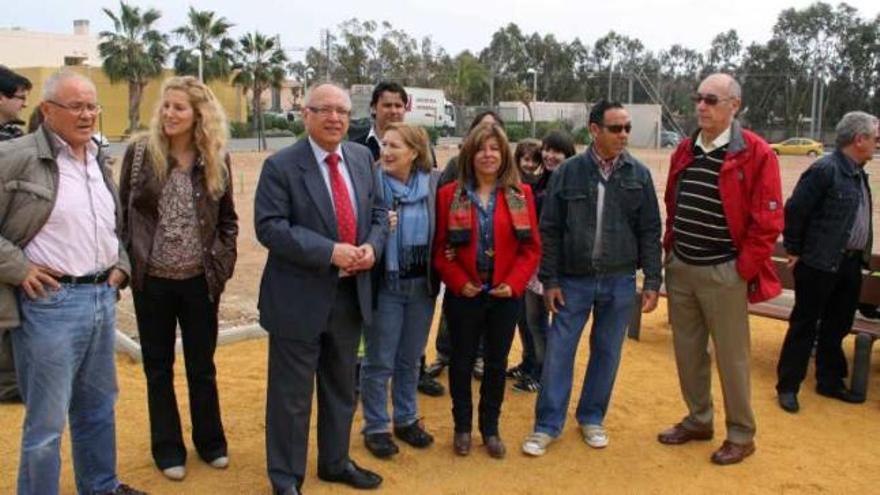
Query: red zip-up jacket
[(751, 195), (515, 260)]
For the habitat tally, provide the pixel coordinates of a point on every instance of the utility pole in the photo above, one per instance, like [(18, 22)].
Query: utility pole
[(819, 111), (630, 90), (813, 108), (610, 72)]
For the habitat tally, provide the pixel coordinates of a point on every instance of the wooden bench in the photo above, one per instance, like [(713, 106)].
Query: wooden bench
[(866, 331)]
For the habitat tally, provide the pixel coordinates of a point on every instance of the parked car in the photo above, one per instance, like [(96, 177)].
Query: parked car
[(798, 146), (669, 139)]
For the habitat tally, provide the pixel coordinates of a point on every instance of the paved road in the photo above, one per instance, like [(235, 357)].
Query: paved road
[(275, 144)]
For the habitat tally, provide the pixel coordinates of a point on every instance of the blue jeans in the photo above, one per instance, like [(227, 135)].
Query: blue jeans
[(611, 299), (66, 371), (395, 343)]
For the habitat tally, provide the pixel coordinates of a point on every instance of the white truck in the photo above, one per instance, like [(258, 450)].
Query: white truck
[(426, 107)]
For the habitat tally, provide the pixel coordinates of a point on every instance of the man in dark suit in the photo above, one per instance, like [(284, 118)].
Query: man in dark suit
[(317, 212)]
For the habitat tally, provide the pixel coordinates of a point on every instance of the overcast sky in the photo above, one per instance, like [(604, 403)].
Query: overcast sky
[(453, 24)]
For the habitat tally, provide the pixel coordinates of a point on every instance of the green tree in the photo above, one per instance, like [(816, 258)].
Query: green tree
[(210, 35), (133, 52), (260, 62)]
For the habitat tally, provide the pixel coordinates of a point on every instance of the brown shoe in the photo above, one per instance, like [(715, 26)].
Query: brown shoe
[(495, 446), (732, 453), (461, 443), (678, 435)]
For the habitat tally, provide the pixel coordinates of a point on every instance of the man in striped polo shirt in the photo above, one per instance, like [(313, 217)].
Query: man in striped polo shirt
[(723, 216)]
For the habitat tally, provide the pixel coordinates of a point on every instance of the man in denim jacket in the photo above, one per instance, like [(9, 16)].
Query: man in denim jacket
[(600, 223), (828, 239)]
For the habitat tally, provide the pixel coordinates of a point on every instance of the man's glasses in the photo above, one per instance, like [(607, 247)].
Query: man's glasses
[(20, 97), (327, 111), (78, 108), (618, 128), (709, 99)]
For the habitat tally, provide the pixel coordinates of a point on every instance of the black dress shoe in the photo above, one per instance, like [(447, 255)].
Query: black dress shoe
[(380, 445), (290, 491), (788, 402), (430, 386), (353, 476), (841, 393), (414, 434)]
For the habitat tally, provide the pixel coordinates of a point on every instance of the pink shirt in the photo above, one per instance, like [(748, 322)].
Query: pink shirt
[(79, 238)]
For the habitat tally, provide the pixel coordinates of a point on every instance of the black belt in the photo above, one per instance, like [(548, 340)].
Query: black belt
[(95, 278)]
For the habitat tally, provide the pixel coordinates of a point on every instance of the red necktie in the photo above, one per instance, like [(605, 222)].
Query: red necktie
[(345, 222)]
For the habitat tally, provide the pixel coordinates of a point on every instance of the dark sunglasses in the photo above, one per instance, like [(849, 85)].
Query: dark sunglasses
[(709, 99), (618, 128)]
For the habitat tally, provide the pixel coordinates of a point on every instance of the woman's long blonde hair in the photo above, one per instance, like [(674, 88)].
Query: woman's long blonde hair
[(210, 133)]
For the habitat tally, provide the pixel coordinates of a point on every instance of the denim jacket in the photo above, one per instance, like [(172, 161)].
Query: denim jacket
[(820, 213), (630, 226)]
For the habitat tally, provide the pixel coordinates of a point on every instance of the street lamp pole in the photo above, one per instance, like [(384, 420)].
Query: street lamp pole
[(534, 74)]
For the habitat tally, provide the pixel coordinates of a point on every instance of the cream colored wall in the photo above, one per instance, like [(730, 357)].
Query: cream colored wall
[(114, 97), (20, 48)]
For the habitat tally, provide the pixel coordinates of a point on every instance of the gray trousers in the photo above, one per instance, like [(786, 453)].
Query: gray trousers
[(712, 301), (8, 382), (295, 366)]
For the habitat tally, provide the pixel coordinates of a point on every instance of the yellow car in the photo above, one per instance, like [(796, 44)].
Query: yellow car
[(798, 146)]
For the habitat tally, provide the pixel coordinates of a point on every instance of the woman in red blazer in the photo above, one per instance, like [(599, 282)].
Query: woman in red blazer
[(487, 218)]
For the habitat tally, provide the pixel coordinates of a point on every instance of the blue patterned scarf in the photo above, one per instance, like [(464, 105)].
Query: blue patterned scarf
[(407, 246)]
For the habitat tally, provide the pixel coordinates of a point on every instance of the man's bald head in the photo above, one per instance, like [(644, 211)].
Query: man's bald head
[(327, 112), (726, 93)]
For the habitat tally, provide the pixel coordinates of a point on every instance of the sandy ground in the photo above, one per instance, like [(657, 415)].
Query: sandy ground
[(830, 447)]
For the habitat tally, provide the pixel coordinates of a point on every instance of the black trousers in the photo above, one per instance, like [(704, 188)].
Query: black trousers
[(825, 303), (160, 306), (471, 319), (294, 368)]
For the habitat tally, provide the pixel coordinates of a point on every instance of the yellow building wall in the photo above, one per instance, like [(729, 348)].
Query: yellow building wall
[(114, 97)]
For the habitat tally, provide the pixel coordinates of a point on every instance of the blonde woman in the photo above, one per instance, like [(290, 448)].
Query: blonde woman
[(180, 228)]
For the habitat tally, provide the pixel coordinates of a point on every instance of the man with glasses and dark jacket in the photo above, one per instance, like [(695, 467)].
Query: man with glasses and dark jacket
[(723, 216), (600, 223), (828, 239), (14, 89)]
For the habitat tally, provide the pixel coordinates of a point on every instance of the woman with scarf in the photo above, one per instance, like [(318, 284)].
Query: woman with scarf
[(405, 295), (488, 218)]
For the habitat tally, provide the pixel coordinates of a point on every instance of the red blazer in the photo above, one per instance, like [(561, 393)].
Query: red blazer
[(515, 260), (751, 194)]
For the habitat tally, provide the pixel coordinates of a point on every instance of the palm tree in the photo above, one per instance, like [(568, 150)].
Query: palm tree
[(260, 62), (209, 35), (134, 52)]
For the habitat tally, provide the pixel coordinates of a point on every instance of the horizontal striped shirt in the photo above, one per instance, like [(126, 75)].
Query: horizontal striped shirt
[(701, 235)]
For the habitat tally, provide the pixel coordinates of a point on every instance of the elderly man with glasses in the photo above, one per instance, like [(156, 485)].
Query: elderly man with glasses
[(723, 216), (62, 267), (318, 213), (600, 223)]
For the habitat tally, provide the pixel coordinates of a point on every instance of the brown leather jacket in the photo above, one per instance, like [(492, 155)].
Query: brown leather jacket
[(140, 213)]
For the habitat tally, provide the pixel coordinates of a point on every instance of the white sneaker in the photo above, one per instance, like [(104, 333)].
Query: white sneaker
[(595, 436), (536, 443), (176, 473), (220, 463)]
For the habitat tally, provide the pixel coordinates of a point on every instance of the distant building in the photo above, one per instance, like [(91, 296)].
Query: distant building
[(646, 118), (22, 48), (38, 55)]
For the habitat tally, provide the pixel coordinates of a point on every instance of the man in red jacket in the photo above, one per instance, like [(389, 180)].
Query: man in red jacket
[(723, 216)]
